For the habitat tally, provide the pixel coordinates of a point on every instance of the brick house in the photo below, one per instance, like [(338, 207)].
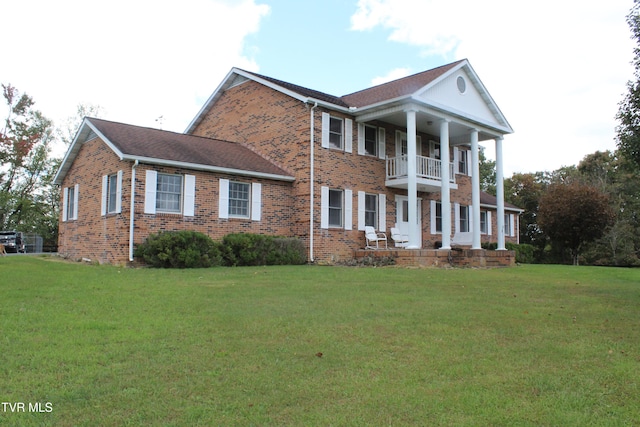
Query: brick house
[(267, 156)]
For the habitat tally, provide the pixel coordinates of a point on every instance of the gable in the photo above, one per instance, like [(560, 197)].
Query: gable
[(461, 91)]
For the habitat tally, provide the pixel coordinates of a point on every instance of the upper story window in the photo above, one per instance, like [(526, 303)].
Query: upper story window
[(335, 133), (371, 141), (463, 162)]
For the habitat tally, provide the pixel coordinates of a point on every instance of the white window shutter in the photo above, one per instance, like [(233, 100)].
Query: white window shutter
[(456, 215), (150, 184), (432, 217), (469, 165), (189, 195), (489, 223), (324, 207), (105, 189), (348, 135), (361, 150), (456, 167), (470, 217), (223, 199), (65, 203), (325, 129), (512, 224), (75, 201), (382, 146), (256, 202), (361, 209), (348, 209), (382, 212), (119, 193)]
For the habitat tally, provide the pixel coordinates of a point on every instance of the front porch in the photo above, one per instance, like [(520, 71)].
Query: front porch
[(455, 257)]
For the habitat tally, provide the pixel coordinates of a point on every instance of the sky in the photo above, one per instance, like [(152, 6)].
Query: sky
[(556, 69)]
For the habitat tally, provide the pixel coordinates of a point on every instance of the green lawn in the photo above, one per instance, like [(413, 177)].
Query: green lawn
[(307, 346)]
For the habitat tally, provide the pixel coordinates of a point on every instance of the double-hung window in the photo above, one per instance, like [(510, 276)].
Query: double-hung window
[(70, 203), (463, 162), (335, 132), (484, 229), (111, 194), (335, 208), (239, 199), (371, 140), (371, 210), (464, 219), (169, 193), (438, 207)]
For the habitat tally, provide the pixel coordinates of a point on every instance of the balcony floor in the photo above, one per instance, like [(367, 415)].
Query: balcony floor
[(424, 185)]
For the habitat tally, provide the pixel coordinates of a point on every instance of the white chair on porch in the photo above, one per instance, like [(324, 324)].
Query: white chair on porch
[(400, 240), (372, 236)]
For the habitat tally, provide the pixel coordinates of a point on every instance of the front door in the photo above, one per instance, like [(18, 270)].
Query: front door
[(402, 216)]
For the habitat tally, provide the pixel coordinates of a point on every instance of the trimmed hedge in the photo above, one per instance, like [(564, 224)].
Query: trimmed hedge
[(192, 249), (179, 249)]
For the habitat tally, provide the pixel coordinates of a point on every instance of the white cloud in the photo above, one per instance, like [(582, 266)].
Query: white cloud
[(557, 69), (138, 59)]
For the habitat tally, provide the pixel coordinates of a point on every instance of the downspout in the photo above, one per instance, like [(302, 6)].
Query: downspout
[(132, 212), (311, 180)]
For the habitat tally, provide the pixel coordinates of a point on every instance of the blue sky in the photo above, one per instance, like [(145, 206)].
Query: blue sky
[(557, 69)]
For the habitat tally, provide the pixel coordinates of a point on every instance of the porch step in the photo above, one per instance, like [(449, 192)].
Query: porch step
[(460, 257)]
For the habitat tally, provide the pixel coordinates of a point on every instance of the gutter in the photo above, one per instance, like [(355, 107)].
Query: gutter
[(132, 212)]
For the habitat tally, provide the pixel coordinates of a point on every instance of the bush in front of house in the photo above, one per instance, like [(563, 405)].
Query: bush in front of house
[(179, 249), (244, 249), (524, 252)]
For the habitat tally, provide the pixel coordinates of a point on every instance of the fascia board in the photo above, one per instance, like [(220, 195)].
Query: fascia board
[(208, 168), (506, 208), (74, 147), (212, 98)]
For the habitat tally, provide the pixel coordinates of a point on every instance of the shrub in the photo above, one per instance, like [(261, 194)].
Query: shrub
[(179, 249), (524, 252), (240, 249)]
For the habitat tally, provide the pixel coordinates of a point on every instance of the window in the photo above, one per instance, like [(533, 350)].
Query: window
[(72, 199), (483, 223), (463, 163), (371, 140), (509, 229), (371, 210), (335, 208), (169, 193), (335, 132), (111, 194), (239, 199), (438, 217), (464, 219)]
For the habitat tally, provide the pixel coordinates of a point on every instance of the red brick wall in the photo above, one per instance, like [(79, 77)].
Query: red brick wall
[(106, 238)]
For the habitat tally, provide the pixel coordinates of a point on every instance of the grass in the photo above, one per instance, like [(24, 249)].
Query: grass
[(530, 345)]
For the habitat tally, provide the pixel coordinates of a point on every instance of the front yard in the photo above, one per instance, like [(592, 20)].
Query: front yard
[(532, 345)]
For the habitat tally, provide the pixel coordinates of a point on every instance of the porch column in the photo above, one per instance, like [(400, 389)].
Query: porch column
[(475, 190), (445, 198), (412, 184), (500, 193)]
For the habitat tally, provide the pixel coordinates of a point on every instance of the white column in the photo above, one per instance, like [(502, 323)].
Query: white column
[(500, 193), (445, 197), (475, 190), (412, 185)]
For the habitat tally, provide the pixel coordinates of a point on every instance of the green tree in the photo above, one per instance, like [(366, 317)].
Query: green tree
[(628, 131), (25, 167), (487, 173), (573, 214)]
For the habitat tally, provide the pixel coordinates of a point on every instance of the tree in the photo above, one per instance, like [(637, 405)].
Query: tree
[(487, 173), (25, 167), (628, 131), (573, 214)]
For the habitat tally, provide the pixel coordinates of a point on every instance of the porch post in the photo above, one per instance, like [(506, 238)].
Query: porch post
[(412, 184), (500, 193), (445, 197), (475, 190)]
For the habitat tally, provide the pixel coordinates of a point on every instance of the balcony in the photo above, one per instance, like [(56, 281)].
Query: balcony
[(428, 173)]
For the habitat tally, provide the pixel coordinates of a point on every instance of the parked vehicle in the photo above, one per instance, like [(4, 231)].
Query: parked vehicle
[(12, 241)]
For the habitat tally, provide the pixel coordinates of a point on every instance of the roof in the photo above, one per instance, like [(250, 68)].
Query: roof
[(154, 146), (487, 199), (356, 102)]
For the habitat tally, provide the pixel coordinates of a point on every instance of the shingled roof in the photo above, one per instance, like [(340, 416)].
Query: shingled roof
[(155, 146)]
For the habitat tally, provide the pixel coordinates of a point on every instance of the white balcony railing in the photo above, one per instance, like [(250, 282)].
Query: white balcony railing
[(426, 167)]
